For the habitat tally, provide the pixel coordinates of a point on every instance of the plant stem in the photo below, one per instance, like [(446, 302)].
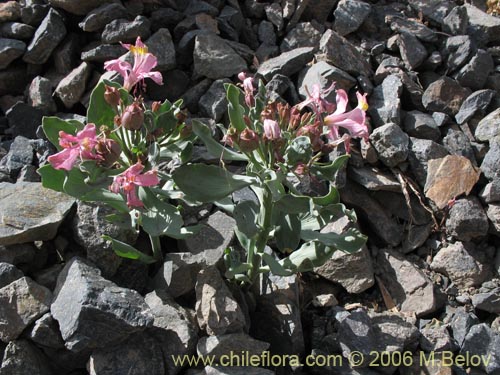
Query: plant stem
[(156, 246)]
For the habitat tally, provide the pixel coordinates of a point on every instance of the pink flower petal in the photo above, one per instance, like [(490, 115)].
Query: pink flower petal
[(155, 76), (133, 200), (149, 178), (64, 159), (342, 101)]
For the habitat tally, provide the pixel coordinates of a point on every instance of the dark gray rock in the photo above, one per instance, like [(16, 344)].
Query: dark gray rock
[(490, 166), (467, 219), (463, 264), (266, 33), (16, 30), (318, 10), (99, 17), (217, 312), (374, 179), (214, 103), (457, 51), (34, 215), (274, 14), (394, 332), (389, 65), (421, 125), (324, 74), (391, 144), (32, 13), (475, 73), (18, 255), (9, 273), (350, 15), (20, 154), (487, 300), (217, 346), (341, 53), (165, 18), (483, 27), (40, 95), (125, 31), (435, 10), (45, 332), (214, 58), (488, 128), (22, 357), (457, 143), (482, 340), (102, 53), (437, 339), (161, 45), (476, 104), (65, 57), (385, 103), (444, 95), (410, 26), (77, 7), (279, 87), (139, 354), (22, 302), (48, 35), (197, 6), (23, 120), (192, 96), (13, 80), (409, 287), (10, 11), (10, 49), (461, 323), (83, 299), (72, 87), (305, 34), (491, 192), (288, 63), (456, 21), (412, 51)]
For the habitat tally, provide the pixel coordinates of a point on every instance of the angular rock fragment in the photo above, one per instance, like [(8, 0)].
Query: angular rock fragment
[(421, 125), (218, 346), (444, 95), (125, 31), (385, 103), (288, 63), (40, 95), (324, 75), (22, 357), (391, 144), (467, 219), (10, 49), (412, 51), (476, 104), (99, 17), (72, 87), (161, 45), (350, 15)]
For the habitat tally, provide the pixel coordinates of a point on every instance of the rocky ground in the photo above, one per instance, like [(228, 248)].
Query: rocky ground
[(426, 189)]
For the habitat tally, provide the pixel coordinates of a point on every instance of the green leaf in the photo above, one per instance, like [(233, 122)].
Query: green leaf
[(208, 183), (235, 110), (349, 241), (167, 122), (74, 183), (52, 178), (287, 232), (160, 218), (300, 150), (246, 214), (126, 251), (107, 197), (215, 148), (311, 254), (332, 197), (328, 171), (53, 125), (275, 266), (292, 204)]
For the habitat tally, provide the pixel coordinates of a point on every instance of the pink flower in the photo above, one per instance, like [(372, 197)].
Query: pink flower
[(248, 87), (272, 130), (82, 145), (143, 63), (353, 121), (128, 180), (316, 100)]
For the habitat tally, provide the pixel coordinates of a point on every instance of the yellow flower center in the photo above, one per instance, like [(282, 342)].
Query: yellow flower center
[(364, 106), (139, 50)]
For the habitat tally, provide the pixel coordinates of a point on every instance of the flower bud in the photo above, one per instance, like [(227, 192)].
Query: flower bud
[(112, 96), (109, 150), (155, 107), (272, 130), (248, 140), (231, 137), (133, 117)]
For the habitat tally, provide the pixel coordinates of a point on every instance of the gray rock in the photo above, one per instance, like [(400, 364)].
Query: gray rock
[(280, 87), (99, 17), (13, 80), (305, 34), (350, 15), (22, 357), (65, 56), (214, 103), (33, 14), (467, 219), (483, 27), (19, 254), (77, 7), (274, 14), (487, 300), (125, 31), (217, 311), (491, 192), (434, 10), (475, 73), (464, 265), (48, 35), (10, 49), (161, 45), (412, 51), (72, 87), (83, 299), (214, 58), (45, 332), (353, 271), (197, 6), (488, 128), (385, 105), (394, 332), (341, 53), (217, 346), (40, 95), (421, 125), (490, 166), (421, 151), (266, 33), (482, 340), (493, 213), (9, 273), (24, 120), (22, 302), (476, 104), (102, 53), (457, 51), (89, 225), (410, 26), (379, 220), (444, 95), (277, 318), (391, 144), (324, 74), (457, 143), (172, 328), (34, 215), (287, 64), (10, 11), (461, 323), (409, 287), (456, 21), (20, 154), (16, 30), (139, 354), (374, 179), (437, 339), (165, 18)]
